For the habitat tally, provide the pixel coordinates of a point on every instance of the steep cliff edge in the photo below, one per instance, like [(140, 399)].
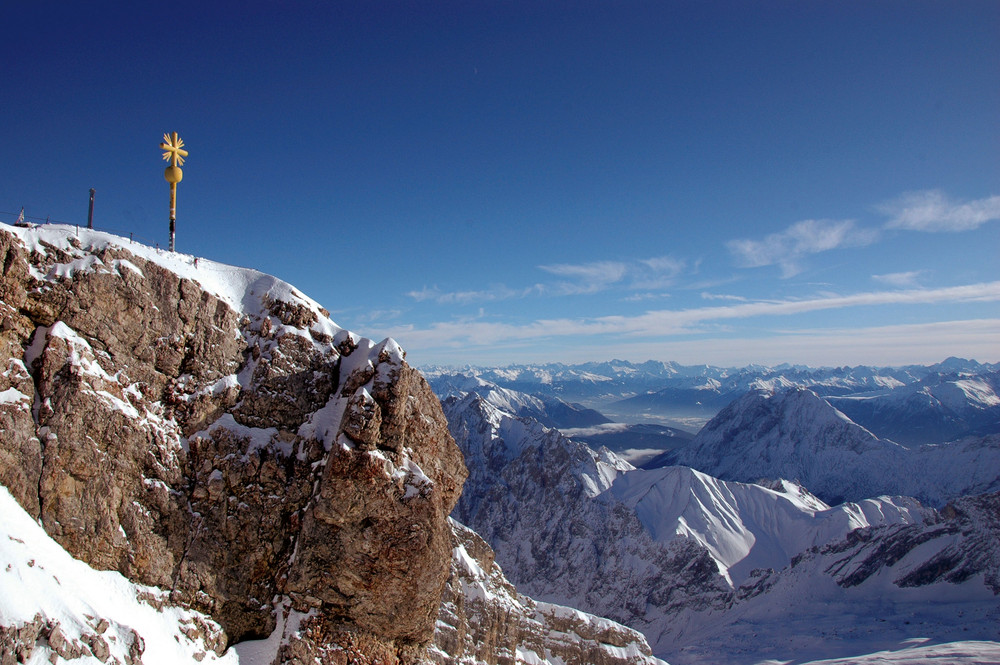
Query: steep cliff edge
[(209, 431), (485, 621)]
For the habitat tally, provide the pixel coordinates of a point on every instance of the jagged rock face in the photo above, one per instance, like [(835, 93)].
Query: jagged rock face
[(484, 621), (541, 501), (936, 581), (229, 449), (969, 528)]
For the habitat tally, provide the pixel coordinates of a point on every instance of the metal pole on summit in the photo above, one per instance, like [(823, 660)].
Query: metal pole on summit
[(174, 153), (90, 215)]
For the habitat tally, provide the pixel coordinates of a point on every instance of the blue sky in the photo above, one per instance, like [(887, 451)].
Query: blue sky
[(506, 182)]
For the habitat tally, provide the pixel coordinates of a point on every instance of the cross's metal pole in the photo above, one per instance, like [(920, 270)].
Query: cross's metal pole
[(173, 212), (90, 215)]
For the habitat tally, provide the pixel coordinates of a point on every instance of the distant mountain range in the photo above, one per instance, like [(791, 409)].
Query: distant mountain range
[(911, 405), (712, 570), (637, 443)]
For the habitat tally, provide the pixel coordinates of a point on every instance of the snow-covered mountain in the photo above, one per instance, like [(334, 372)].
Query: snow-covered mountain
[(583, 528), (546, 409), (638, 443), (744, 526), (953, 398), (917, 593), (586, 382), (484, 620), (939, 407), (796, 434)]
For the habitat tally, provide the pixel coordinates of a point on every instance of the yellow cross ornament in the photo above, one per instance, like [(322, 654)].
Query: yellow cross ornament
[(174, 152)]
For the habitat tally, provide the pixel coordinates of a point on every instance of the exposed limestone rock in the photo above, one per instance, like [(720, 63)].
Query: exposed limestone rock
[(228, 448), (19, 643)]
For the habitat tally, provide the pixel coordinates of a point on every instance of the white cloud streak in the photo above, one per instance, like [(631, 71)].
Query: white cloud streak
[(899, 279), (578, 279), (465, 297), (587, 277), (787, 248), (891, 345), (705, 295), (932, 210), (662, 324), (645, 274)]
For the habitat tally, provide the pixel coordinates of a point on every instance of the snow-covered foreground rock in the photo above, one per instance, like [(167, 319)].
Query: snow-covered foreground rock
[(796, 434), (54, 607), (209, 430)]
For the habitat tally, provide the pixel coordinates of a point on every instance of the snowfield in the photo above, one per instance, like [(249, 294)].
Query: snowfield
[(94, 612)]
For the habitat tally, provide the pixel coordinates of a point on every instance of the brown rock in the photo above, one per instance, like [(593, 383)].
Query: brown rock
[(201, 449)]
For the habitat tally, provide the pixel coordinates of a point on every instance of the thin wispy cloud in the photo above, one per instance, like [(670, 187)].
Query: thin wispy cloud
[(652, 274), (891, 345), (787, 248), (665, 323), (378, 315), (900, 279), (722, 296), (657, 273), (644, 274), (586, 277), (645, 296), (932, 210), (465, 297)]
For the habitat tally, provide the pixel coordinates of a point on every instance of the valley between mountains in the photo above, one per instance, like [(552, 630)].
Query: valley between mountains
[(198, 465)]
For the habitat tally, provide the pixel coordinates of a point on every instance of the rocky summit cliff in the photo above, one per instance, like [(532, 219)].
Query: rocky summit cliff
[(209, 431), (224, 475)]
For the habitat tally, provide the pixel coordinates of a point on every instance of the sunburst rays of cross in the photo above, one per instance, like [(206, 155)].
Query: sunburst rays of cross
[(173, 146)]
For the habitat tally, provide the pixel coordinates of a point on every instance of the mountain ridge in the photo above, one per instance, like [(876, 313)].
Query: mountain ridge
[(206, 431), (797, 434)]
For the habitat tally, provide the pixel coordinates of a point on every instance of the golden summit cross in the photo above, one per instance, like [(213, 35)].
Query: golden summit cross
[(174, 152), (174, 147)]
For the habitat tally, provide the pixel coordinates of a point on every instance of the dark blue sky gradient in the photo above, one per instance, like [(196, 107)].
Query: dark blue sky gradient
[(461, 145)]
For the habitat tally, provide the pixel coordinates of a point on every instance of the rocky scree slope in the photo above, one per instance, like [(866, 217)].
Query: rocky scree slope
[(207, 430)]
